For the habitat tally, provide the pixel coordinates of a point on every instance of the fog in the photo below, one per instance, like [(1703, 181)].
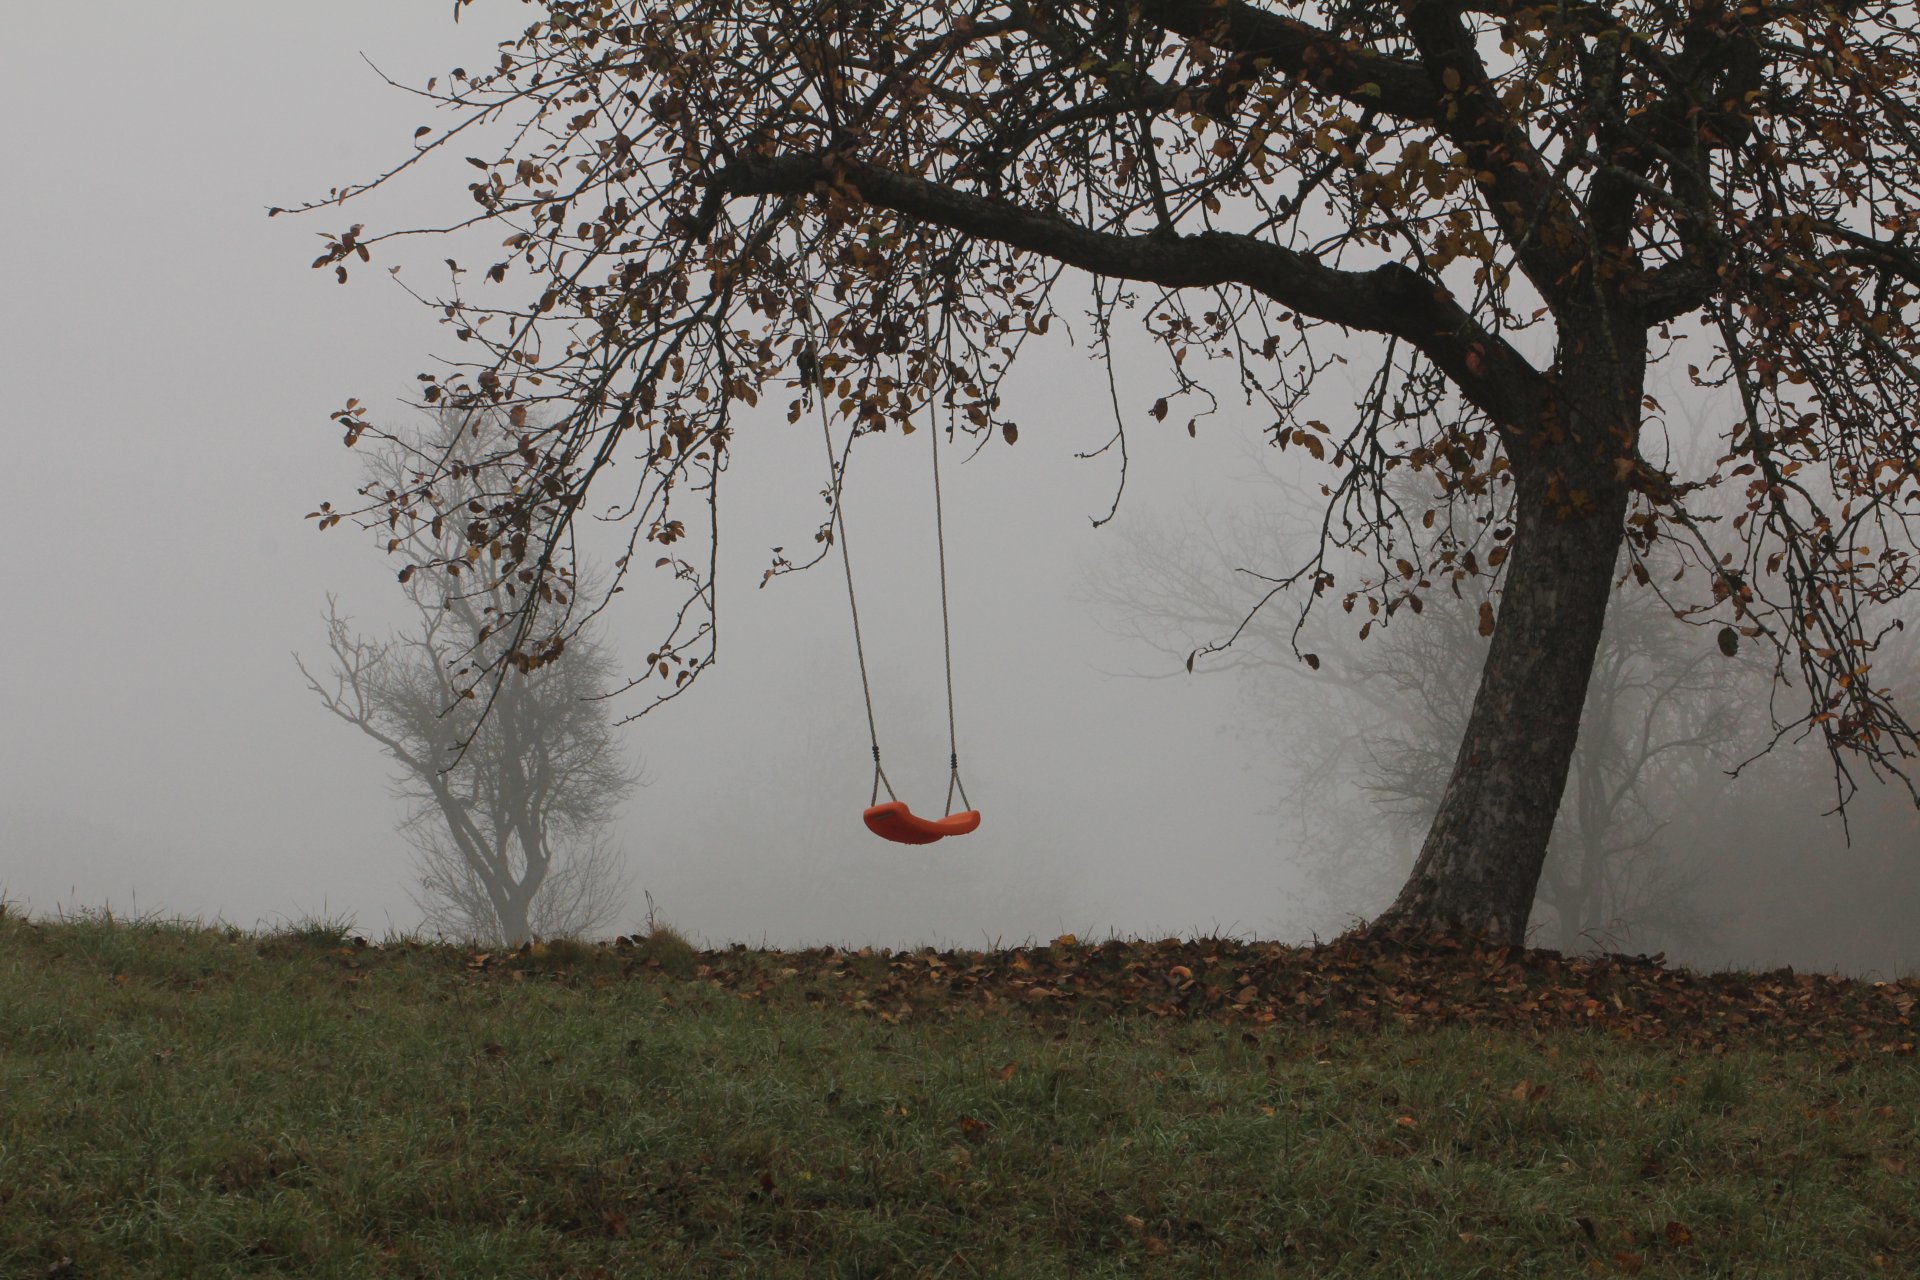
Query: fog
[(170, 361)]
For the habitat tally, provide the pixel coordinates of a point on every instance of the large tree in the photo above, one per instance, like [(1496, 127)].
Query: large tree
[(1509, 206), (1361, 745)]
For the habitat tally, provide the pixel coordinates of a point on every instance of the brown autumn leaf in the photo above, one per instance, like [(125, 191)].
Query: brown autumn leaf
[(1628, 1261), (1004, 1073), (1486, 617), (1679, 1235)]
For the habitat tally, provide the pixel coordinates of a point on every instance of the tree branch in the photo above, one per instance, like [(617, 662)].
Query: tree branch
[(1389, 299), (1290, 47)]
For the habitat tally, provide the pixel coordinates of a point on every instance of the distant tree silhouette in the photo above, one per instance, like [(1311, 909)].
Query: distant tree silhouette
[(513, 794)]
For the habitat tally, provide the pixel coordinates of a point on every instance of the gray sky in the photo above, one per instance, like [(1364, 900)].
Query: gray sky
[(170, 360)]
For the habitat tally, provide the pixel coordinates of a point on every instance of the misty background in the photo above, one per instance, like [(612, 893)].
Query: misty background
[(169, 362)]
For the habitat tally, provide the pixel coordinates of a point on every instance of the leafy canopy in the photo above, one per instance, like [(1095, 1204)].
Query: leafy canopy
[(869, 206)]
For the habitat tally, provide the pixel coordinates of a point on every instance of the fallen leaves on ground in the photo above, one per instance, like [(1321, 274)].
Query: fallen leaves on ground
[(1355, 982)]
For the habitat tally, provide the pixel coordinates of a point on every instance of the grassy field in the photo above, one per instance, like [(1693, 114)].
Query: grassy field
[(183, 1102)]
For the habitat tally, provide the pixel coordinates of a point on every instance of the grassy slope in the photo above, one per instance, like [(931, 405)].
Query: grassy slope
[(179, 1102)]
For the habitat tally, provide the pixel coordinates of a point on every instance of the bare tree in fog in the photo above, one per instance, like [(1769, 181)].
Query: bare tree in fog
[(1790, 882), (1365, 741), (511, 804)]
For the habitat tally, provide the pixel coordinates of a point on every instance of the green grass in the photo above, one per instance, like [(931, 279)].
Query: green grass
[(177, 1102)]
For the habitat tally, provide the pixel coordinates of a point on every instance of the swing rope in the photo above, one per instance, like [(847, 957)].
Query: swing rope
[(837, 469), (946, 624)]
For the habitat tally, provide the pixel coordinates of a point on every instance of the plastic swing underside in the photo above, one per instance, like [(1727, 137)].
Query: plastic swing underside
[(894, 821)]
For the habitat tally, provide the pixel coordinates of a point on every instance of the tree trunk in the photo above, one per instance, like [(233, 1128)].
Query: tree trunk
[(1480, 866), (515, 927)]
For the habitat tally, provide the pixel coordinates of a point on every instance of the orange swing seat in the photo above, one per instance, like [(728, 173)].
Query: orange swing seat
[(894, 821)]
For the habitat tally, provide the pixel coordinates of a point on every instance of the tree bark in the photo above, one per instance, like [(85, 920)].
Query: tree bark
[(1480, 865)]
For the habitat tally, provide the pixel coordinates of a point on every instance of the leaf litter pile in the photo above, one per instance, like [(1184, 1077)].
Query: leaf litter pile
[(1355, 983)]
